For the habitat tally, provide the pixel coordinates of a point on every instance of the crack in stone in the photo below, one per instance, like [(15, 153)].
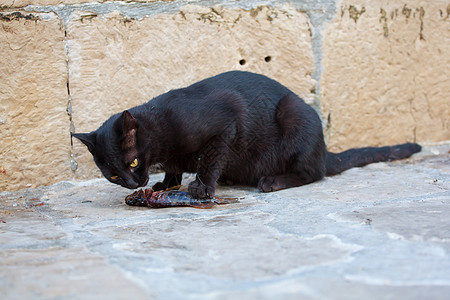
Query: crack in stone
[(73, 163)]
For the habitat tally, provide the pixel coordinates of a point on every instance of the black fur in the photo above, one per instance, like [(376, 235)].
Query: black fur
[(235, 127)]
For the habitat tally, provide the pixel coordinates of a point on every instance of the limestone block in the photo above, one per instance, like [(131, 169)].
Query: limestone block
[(34, 126), (116, 63), (385, 73), (24, 3)]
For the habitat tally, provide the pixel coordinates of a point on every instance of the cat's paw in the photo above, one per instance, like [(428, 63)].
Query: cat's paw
[(199, 190), (159, 186), (265, 184), (272, 183), (279, 182)]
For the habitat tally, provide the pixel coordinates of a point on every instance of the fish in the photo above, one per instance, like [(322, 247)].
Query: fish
[(172, 198)]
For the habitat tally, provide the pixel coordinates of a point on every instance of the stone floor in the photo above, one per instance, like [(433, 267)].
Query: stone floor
[(378, 232)]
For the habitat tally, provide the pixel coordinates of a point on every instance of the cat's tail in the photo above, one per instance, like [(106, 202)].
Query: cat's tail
[(358, 157)]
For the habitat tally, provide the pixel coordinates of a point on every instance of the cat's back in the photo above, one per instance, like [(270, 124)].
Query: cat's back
[(249, 86), (249, 99)]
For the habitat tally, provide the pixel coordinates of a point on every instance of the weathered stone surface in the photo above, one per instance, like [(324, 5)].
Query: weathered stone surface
[(34, 126), (352, 236), (383, 77), (116, 63)]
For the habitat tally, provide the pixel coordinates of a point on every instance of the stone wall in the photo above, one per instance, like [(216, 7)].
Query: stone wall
[(385, 73), (375, 70)]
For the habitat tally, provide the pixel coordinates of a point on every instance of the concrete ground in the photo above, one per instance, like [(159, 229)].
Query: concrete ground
[(378, 232)]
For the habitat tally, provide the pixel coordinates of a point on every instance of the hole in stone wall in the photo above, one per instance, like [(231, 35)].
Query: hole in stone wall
[(268, 58), (242, 62)]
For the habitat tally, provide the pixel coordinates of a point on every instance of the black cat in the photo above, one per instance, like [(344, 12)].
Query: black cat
[(235, 127)]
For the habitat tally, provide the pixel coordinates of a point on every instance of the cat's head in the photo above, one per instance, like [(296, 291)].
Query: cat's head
[(119, 150)]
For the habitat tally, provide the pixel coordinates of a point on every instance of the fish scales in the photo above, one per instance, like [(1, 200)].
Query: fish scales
[(171, 198)]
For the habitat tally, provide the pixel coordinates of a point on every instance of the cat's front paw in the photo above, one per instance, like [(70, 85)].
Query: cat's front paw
[(199, 190), (159, 186)]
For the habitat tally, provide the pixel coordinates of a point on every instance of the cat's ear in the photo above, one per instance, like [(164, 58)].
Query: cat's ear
[(89, 139), (129, 123), (129, 129)]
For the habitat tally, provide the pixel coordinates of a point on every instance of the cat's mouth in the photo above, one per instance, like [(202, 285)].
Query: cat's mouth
[(134, 184)]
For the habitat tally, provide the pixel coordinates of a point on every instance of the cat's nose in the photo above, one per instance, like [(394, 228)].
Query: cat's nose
[(132, 184)]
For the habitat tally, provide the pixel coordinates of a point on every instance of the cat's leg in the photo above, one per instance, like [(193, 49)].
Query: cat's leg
[(300, 171), (210, 165), (170, 180), (301, 135)]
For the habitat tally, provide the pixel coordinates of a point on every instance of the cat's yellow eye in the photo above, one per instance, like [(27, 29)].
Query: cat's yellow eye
[(134, 164), (113, 177)]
